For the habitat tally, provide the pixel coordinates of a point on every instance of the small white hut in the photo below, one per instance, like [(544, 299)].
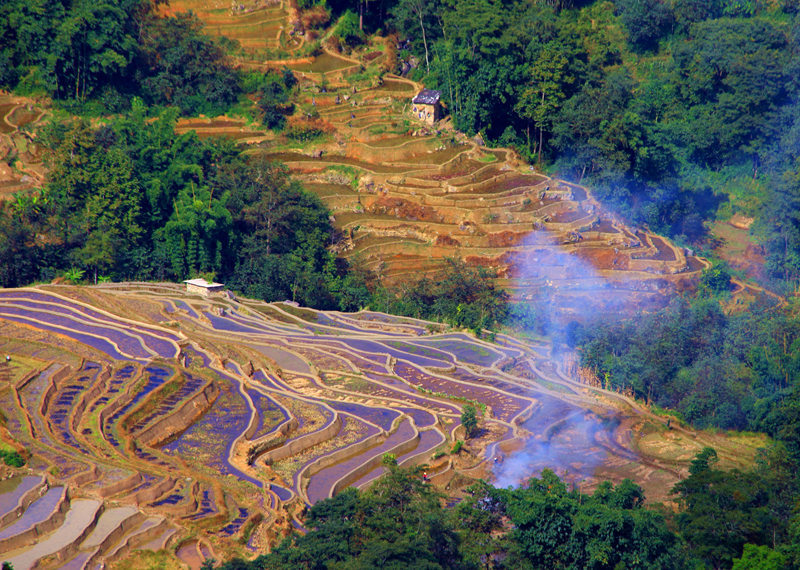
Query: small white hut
[(203, 287)]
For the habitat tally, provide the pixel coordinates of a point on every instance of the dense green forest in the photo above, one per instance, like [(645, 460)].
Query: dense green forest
[(734, 370), (730, 519), (106, 52)]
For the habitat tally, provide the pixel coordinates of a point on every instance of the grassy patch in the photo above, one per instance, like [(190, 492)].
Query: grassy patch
[(355, 383), (368, 75), (149, 560), (20, 366), (304, 314), (446, 396), (351, 173)]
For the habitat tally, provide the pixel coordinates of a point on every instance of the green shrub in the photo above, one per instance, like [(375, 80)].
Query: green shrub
[(348, 30), (12, 458)]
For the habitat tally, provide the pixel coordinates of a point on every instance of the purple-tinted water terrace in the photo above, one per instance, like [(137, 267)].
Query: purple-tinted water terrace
[(366, 431), (422, 419), (209, 440), (229, 325), (465, 351), (156, 376), (41, 302), (428, 440), (378, 348), (97, 343), (77, 563), (418, 350), (172, 499), (149, 457), (129, 344), (206, 507), (408, 394), (379, 416), (489, 380), (237, 523), (375, 363), (268, 381), (504, 407), (160, 346), (12, 490), (78, 311), (31, 396), (117, 381), (320, 485), (384, 318), (192, 356), (68, 468), (264, 328), (38, 511), (327, 321), (185, 307), (284, 358), (59, 409), (147, 481), (282, 493)]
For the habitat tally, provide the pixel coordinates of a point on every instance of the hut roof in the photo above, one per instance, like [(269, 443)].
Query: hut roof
[(203, 283), (427, 97)]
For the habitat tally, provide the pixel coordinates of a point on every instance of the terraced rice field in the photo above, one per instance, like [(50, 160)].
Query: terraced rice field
[(16, 113), (158, 419), (424, 196), (259, 27)]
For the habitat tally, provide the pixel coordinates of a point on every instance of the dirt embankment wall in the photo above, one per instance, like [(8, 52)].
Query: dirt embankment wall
[(22, 504), (339, 456), (304, 442), (363, 469), (97, 388), (120, 486), (269, 441), (52, 388), (182, 418), (30, 535), (150, 494), (121, 530)]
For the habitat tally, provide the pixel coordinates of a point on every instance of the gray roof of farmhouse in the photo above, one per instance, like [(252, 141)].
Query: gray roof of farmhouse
[(427, 97)]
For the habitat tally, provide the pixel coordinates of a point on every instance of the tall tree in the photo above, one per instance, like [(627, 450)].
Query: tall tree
[(542, 98)]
